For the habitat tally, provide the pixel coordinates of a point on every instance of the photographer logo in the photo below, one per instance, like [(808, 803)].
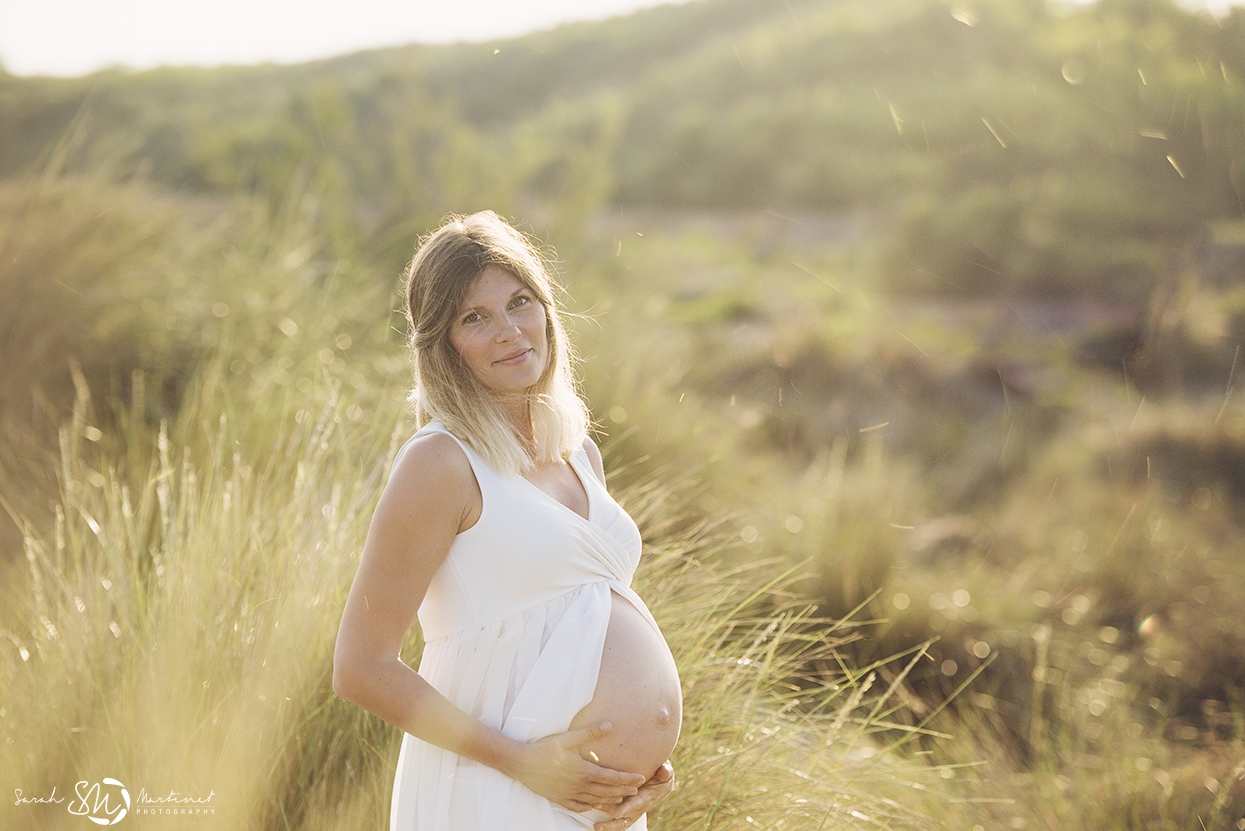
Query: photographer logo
[(107, 802), (102, 804)]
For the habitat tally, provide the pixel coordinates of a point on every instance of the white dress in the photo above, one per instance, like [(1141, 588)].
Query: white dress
[(514, 623)]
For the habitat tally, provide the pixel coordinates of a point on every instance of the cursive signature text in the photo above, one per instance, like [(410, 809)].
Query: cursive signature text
[(174, 798), (53, 799)]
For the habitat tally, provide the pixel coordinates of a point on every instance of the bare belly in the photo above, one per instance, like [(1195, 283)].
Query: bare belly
[(637, 692)]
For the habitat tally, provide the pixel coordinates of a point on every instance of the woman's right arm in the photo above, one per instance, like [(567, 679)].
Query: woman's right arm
[(432, 495)]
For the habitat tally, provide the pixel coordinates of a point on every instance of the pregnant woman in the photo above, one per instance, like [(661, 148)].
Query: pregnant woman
[(546, 697)]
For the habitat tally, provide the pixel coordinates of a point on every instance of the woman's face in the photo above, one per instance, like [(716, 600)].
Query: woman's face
[(500, 332)]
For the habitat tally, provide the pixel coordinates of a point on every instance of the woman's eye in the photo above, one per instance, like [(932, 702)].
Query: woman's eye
[(471, 318), (521, 300)]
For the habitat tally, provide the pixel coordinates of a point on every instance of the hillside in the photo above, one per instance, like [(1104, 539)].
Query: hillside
[(1017, 146)]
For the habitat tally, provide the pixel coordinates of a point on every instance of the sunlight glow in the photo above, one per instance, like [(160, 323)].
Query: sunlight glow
[(73, 37)]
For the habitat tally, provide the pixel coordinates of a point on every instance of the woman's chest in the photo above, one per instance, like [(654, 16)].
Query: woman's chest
[(560, 482), (527, 547)]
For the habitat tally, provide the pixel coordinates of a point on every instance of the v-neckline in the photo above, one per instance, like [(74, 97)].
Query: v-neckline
[(587, 493)]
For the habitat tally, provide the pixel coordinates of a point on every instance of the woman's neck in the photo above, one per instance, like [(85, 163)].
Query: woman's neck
[(518, 410)]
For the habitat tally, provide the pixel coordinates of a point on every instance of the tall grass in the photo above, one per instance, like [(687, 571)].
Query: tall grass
[(80, 263), (174, 631), (109, 288)]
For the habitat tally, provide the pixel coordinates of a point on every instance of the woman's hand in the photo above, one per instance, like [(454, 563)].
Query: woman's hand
[(553, 768), (633, 807)]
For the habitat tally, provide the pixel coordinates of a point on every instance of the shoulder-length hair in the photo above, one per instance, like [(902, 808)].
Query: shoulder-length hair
[(446, 264)]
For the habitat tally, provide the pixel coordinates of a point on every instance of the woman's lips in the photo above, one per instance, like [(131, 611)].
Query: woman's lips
[(514, 357)]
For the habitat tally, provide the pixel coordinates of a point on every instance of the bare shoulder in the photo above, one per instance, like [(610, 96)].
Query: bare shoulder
[(432, 454), (594, 457), (433, 473)]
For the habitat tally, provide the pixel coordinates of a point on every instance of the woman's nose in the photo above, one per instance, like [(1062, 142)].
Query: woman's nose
[(507, 329)]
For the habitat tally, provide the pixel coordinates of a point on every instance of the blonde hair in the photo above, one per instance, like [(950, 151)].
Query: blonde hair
[(446, 264)]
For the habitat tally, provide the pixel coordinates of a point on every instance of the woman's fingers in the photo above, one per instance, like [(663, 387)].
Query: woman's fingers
[(657, 788), (611, 786), (634, 806), (554, 768), (583, 735), (606, 782)]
